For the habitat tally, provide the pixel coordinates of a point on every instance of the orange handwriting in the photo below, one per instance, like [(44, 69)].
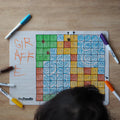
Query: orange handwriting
[(17, 74)]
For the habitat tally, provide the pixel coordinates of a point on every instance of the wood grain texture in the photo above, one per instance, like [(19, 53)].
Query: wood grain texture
[(59, 15)]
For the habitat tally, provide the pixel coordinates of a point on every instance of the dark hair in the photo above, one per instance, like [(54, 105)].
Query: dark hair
[(80, 103)]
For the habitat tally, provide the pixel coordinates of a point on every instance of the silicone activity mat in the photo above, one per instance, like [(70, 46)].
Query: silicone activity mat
[(47, 62)]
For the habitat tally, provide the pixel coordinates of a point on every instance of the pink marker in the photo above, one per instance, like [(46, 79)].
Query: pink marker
[(108, 47)]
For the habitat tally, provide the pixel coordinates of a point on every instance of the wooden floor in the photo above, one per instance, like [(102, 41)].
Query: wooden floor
[(82, 15)]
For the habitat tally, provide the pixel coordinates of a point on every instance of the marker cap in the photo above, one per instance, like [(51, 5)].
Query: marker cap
[(26, 19), (103, 39)]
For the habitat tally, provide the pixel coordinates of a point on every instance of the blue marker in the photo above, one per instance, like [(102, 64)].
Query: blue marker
[(21, 23)]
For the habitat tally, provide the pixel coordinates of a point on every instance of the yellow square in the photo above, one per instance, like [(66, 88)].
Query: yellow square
[(74, 38), (66, 37), (94, 71), (59, 51), (87, 77), (80, 84), (73, 84), (94, 83), (101, 84), (73, 63), (73, 71), (101, 90), (66, 50), (73, 44), (94, 77), (60, 44), (80, 71), (80, 77), (73, 50)]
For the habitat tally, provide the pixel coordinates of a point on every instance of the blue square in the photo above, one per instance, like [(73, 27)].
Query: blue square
[(66, 70), (101, 70), (100, 40), (81, 44), (87, 64), (101, 64), (101, 45), (87, 45), (46, 64), (94, 51), (67, 84), (53, 51), (87, 51), (80, 64), (87, 38), (80, 50), (59, 76), (66, 57), (60, 83), (46, 71), (101, 58), (45, 77), (80, 57), (59, 89), (46, 84), (94, 38), (65, 88), (46, 91), (94, 58), (52, 90), (59, 57), (53, 57), (53, 70), (95, 45), (66, 77), (80, 37), (67, 63), (59, 63), (60, 70), (94, 64), (52, 63), (101, 51), (53, 84), (87, 58), (60, 37), (53, 77)]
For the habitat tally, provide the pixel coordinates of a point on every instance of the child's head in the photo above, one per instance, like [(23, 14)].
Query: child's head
[(80, 103)]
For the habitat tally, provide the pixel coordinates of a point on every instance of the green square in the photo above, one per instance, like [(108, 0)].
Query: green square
[(53, 38), (46, 57), (39, 51), (46, 38), (39, 44), (46, 51), (39, 64), (53, 44), (39, 58), (52, 96), (46, 97), (39, 38), (46, 44)]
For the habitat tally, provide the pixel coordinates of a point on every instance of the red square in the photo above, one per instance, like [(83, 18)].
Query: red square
[(39, 83), (39, 77), (39, 70), (73, 77), (101, 77), (73, 57), (86, 83), (39, 91), (87, 71), (39, 97), (67, 44)]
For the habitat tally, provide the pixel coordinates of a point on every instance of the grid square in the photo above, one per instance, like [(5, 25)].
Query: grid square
[(86, 83), (67, 57), (60, 44), (73, 44), (39, 91), (39, 97), (66, 37), (47, 38), (39, 70), (94, 71), (94, 77), (80, 84), (46, 84), (74, 71), (39, 51), (80, 70), (73, 57), (39, 38), (66, 63), (53, 44), (39, 45), (46, 64), (80, 78), (66, 77), (39, 64), (53, 51), (39, 84), (73, 77), (87, 71), (60, 37), (101, 77), (80, 38), (73, 63), (66, 70), (53, 38), (59, 57), (66, 50), (60, 83), (59, 63), (94, 83), (46, 91), (87, 38), (60, 70), (39, 77), (53, 57), (87, 77), (74, 38), (73, 84), (67, 44), (60, 77), (60, 51), (73, 51)]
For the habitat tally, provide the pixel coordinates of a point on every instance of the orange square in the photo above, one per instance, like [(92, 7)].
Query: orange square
[(39, 91), (101, 77), (39, 97), (39, 77), (73, 77), (67, 44), (39, 83), (86, 83), (87, 71), (73, 57), (39, 70)]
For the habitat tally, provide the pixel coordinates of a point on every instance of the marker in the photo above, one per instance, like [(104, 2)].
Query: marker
[(112, 89), (24, 21), (7, 69), (108, 47), (7, 85), (14, 100)]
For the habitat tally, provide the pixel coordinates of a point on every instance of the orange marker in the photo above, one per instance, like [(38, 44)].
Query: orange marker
[(112, 89)]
